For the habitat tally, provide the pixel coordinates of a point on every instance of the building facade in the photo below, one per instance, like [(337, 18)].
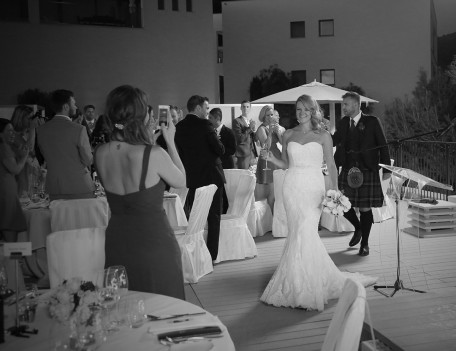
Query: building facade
[(166, 48), (378, 45)]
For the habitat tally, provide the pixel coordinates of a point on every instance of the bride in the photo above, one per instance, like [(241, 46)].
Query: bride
[(306, 276)]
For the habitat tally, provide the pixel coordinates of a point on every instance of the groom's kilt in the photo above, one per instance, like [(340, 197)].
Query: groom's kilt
[(367, 195)]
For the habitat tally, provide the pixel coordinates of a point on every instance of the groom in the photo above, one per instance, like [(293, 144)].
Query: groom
[(359, 140)]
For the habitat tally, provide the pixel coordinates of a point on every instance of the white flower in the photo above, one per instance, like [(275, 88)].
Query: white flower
[(335, 203)]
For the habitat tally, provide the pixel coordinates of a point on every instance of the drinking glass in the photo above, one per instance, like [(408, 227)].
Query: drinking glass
[(122, 279), (264, 154)]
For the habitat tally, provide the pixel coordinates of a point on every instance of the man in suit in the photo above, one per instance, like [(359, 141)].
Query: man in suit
[(89, 119), (226, 136), (200, 150), (66, 149), (244, 132), (360, 143)]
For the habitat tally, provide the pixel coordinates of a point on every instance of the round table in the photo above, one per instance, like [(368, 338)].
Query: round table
[(138, 339)]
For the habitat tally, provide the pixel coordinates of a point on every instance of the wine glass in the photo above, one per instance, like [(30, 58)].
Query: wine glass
[(122, 279), (265, 154)]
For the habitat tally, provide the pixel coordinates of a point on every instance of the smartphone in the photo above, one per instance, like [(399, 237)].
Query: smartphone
[(163, 112)]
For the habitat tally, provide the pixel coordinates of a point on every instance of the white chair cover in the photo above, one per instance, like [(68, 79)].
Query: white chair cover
[(388, 210), (259, 220), (196, 259), (182, 192), (344, 331), (279, 221), (79, 213), (75, 253), (236, 241), (336, 223)]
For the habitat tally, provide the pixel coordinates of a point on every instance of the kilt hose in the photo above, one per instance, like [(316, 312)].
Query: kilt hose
[(369, 194)]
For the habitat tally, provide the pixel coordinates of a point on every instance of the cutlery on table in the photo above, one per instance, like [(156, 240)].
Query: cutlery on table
[(152, 317)]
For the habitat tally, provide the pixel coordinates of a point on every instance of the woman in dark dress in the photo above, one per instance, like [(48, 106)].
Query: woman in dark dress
[(133, 173), (12, 219)]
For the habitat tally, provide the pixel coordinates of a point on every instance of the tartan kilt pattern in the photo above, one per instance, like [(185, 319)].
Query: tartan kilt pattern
[(369, 194)]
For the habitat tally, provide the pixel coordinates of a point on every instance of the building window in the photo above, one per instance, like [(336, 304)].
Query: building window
[(298, 29), (328, 76), (219, 55), (189, 5), (219, 39), (175, 5), (298, 78), (161, 4), (14, 10), (326, 28), (92, 12), (222, 89)]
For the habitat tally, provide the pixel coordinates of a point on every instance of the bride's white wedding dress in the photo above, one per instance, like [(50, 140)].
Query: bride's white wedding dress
[(306, 276)]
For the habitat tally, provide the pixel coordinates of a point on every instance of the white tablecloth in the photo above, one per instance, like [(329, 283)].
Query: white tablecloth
[(142, 338)]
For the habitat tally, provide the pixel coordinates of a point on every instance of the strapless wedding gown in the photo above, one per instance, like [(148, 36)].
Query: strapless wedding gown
[(306, 276)]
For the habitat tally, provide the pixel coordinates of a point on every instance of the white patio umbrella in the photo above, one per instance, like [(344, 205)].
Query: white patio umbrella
[(321, 92)]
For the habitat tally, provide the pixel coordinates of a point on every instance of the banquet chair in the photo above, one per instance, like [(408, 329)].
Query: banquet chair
[(196, 259), (79, 213), (75, 253), (345, 329), (236, 241), (182, 192), (279, 221), (388, 210), (259, 219)]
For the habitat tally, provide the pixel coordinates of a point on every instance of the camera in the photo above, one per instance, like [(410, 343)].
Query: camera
[(163, 112)]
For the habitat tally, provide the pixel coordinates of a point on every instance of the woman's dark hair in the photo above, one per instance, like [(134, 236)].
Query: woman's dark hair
[(126, 108), (21, 118), (102, 132)]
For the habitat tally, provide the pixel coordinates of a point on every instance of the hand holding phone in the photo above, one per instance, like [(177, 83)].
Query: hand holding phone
[(163, 114)]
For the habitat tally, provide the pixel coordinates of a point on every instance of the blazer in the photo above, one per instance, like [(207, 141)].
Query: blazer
[(229, 142), (66, 149), (371, 137), (244, 138), (200, 150)]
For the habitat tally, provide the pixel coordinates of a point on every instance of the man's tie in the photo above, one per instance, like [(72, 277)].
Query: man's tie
[(352, 125)]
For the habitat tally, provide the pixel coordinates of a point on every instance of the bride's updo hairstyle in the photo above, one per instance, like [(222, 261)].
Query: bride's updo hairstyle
[(126, 107), (312, 104)]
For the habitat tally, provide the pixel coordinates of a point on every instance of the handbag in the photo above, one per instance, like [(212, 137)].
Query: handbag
[(354, 178)]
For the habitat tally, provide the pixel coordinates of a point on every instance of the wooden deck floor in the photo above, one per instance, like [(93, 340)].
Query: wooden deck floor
[(233, 290)]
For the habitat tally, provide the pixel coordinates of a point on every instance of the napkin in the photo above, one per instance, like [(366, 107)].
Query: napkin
[(183, 323)]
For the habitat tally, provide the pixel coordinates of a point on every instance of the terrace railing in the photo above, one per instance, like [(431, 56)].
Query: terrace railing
[(433, 159)]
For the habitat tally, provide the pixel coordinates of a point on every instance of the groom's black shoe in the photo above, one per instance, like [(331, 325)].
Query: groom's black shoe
[(356, 238), (364, 251)]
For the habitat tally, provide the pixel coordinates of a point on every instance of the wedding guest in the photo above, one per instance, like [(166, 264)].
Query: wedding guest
[(244, 132), (133, 173), (102, 132), (361, 143), (228, 140), (200, 149), (25, 122), (268, 135), (174, 111), (12, 220), (89, 119), (66, 149)]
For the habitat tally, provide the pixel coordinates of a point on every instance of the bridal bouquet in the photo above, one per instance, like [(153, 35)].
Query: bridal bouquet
[(335, 203)]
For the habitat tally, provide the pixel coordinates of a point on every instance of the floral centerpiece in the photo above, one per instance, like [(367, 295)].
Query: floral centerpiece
[(78, 304), (335, 203)]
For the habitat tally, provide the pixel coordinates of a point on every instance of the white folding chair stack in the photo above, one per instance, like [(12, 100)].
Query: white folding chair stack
[(79, 213), (181, 192), (196, 259), (236, 241), (344, 331), (279, 221), (75, 253)]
